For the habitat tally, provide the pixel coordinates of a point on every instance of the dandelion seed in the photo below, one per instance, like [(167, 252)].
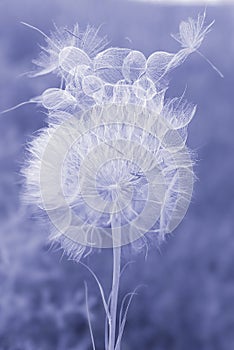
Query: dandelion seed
[(192, 32), (191, 35), (134, 65), (57, 99), (178, 113), (70, 56), (62, 40), (108, 64)]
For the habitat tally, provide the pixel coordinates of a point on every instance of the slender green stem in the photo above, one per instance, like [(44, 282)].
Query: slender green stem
[(116, 233)]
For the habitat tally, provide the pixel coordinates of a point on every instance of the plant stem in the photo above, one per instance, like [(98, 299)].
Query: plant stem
[(116, 234)]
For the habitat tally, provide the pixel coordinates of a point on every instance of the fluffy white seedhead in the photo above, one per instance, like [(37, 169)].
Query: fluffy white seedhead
[(113, 146), (114, 159)]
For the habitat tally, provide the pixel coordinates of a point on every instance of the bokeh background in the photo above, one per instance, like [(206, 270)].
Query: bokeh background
[(187, 301)]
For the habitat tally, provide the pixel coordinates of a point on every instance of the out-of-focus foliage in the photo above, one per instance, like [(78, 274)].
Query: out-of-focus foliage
[(37, 309), (189, 301)]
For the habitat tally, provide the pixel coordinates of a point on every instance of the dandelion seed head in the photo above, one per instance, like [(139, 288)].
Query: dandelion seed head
[(113, 145), (122, 159)]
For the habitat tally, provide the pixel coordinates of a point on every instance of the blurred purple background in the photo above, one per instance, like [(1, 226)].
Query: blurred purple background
[(188, 301)]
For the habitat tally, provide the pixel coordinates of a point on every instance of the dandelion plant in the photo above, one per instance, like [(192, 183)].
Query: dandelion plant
[(111, 169)]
